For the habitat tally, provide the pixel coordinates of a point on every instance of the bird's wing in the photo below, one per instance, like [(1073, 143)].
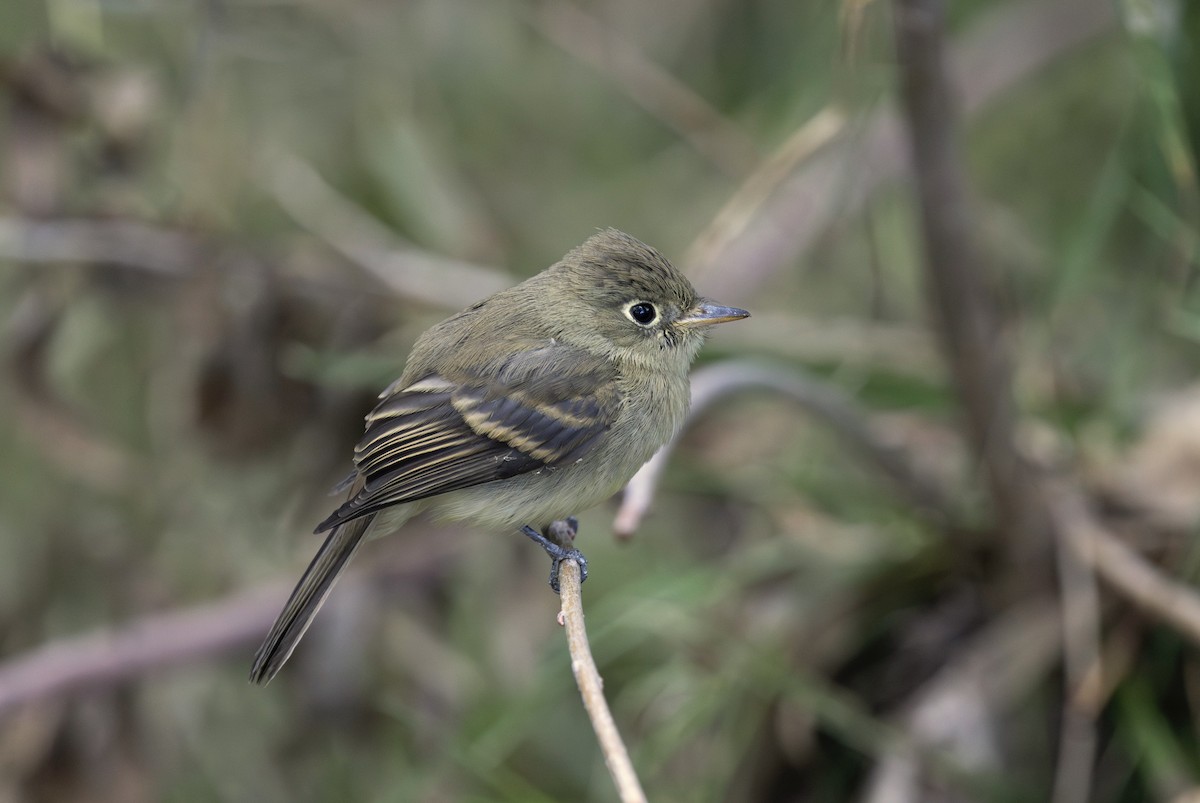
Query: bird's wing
[(544, 406)]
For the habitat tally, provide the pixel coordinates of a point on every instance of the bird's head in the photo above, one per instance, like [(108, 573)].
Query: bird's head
[(636, 304)]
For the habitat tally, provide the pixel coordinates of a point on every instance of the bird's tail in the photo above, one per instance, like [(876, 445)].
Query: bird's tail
[(307, 598)]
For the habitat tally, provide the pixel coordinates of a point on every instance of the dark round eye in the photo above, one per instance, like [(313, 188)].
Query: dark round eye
[(643, 313)]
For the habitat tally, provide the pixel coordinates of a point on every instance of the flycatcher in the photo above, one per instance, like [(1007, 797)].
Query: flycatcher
[(523, 409)]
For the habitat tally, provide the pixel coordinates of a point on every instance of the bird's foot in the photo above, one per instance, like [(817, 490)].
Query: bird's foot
[(557, 540)]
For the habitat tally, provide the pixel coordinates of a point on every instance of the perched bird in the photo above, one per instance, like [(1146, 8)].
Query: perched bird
[(535, 403)]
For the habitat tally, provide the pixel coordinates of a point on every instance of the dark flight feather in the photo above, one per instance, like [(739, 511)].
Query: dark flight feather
[(306, 599), (446, 433)]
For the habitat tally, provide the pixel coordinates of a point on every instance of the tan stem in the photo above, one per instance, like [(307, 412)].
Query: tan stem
[(591, 687)]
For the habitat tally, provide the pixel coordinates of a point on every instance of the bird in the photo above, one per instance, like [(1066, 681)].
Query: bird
[(537, 402)]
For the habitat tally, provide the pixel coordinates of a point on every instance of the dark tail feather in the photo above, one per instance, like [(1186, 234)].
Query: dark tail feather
[(307, 598)]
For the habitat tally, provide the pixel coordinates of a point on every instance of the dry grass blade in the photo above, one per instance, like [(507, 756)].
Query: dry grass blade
[(839, 180), (351, 232), (746, 204)]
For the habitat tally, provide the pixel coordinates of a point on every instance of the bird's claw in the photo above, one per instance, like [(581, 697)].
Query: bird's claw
[(552, 541), (556, 565)]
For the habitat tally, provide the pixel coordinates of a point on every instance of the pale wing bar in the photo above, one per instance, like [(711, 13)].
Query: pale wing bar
[(435, 437)]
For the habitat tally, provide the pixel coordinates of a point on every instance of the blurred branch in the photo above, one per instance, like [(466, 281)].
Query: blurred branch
[(406, 270), (95, 661), (177, 253), (953, 712), (648, 85), (968, 327), (834, 408), (591, 687), (955, 275), (1006, 47), (157, 641), (1080, 598), (1123, 569), (125, 243)]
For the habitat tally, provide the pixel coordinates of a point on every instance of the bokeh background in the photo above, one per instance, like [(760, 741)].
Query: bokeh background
[(224, 222)]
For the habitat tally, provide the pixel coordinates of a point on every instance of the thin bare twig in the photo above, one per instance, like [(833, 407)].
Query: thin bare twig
[(591, 687), (826, 402), (648, 85)]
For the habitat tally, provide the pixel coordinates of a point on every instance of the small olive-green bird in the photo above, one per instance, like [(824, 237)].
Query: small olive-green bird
[(535, 403)]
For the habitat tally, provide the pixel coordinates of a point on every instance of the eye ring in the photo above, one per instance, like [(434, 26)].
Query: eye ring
[(642, 313)]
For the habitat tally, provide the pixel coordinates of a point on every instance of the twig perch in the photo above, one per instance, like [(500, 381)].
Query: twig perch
[(591, 687)]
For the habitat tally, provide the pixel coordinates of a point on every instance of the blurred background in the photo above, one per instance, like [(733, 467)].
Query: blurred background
[(224, 222)]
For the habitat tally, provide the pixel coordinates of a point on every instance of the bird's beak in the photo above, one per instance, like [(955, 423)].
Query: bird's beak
[(707, 313)]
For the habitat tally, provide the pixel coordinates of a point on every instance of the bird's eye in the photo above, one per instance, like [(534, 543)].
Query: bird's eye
[(642, 313)]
